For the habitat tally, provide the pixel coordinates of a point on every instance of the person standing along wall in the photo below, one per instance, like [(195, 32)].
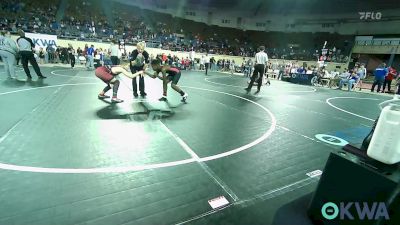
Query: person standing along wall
[(42, 56), (192, 55), (90, 57), (380, 74), (26, 47), (398, 84), (213, 64), (392, 73), (71, 55), (8, 52), (362, 73), (114, 53), (207, 63)]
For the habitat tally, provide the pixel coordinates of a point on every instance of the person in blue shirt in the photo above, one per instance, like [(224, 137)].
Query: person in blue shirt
[(352, 79), (380, 74), (90, 57)]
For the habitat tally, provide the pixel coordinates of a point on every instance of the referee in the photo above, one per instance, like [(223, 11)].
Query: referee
[(259, 69), (25, 48)]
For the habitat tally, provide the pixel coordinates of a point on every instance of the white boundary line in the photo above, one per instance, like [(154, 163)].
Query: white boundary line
[(348, 112), (44, 87), (257, 141), (143, 167), (206, 169), (17, 70), (250, 201), (62, 75)]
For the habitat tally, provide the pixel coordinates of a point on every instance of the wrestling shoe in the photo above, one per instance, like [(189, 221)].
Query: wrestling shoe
[(102, 96), (116, 100), (184, 97), (163, 99)]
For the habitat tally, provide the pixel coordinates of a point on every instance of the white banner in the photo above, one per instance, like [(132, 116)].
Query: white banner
[(42, 40)]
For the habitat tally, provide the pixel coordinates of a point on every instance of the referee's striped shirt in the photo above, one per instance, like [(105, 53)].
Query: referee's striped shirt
[(261, 58)]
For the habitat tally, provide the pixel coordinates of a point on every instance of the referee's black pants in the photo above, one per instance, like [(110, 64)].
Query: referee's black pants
[(135, 69), (258, 72), (27, 56)]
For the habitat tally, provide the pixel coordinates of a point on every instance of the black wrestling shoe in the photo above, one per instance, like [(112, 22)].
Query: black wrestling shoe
[(135, 95), (258, 91), (42, 77), (247, 90), (163, 99), (100, 96), (143, 94)]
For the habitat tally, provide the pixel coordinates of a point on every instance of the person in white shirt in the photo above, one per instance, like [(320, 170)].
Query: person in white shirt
[(8, 52), (259, 69), (232, 66), (114, 53), (362, 73), (207, 62), (202, 62), (192, 58)]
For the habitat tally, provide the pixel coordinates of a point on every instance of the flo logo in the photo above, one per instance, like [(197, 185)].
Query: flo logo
[(370, 15), (364, 211)]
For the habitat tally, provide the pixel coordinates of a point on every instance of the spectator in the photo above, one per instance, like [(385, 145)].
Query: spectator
[(392, 73), (380, 74), (114, 53), (90, 57), (50, 53), (8, 52), (192, 55), (202, 61), (71, 55), (213, 64), (349, 81), (206, 63), (362, 73), (80, 53), (41, 55)]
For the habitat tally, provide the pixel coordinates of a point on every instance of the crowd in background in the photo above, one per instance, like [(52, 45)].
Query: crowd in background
[(86, 20)]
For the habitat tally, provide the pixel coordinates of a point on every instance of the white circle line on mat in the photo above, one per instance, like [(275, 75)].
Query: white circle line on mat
[(207, 79), (121, 169), (348, 112)]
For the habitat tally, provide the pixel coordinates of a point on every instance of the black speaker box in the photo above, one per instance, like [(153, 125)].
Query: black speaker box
[(356, 179)]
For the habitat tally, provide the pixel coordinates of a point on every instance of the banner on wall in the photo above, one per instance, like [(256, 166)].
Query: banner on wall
[(42, 40)]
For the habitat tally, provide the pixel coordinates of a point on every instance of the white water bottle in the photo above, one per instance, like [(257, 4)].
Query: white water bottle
[(385, 142)]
